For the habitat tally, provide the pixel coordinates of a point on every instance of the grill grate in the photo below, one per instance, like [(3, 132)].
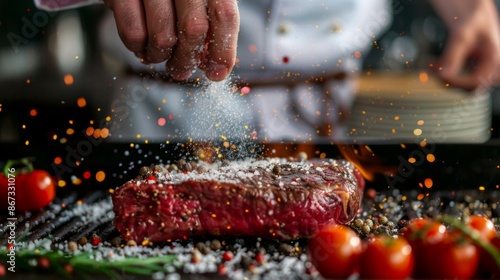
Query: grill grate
[(67, 218)]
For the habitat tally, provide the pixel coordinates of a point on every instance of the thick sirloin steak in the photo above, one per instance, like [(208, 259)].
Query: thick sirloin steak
[(270, 198)]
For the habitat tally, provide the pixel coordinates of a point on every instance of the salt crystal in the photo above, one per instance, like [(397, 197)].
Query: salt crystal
[(173, 276)]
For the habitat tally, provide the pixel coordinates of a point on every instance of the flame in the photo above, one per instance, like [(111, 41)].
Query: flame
[(365, 160)]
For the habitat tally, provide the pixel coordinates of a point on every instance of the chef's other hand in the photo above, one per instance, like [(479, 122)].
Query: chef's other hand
[(471, 58), (184, 33)]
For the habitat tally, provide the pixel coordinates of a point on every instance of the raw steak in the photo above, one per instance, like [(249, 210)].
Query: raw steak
[(270, 198)]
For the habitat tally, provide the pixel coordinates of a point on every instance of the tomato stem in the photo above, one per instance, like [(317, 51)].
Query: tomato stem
[(487, 246), (23, 165)]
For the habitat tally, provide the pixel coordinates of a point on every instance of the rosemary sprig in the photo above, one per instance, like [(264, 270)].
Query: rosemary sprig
[(82, 263)]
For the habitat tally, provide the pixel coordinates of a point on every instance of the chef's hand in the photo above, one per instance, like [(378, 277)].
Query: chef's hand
[(471, 58), (184, 33)]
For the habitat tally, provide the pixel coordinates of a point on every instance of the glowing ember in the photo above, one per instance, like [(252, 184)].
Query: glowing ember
[(100, 176), (68, 79), (61, 183), (81, 102), (104, 132), (423, 77), (245, 90), (89, 131), (430, 158), (428, 183), (252, 48), (162, 121)]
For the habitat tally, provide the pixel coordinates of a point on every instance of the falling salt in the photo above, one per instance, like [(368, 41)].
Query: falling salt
[(218, 113)]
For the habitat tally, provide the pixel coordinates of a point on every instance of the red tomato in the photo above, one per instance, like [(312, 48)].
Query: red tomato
[(31, 191), (454, 257), (424, 231), (335, 251), (387, 258), (483, 226), (420, 233), (487, 265)]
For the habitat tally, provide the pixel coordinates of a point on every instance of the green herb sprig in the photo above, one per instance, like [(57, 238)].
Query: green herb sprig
[(83, 265)]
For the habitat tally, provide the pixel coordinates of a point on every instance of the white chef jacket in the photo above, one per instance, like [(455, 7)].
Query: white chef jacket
[(284, 47)]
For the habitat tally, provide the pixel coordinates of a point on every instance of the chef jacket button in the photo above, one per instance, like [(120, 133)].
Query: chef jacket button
[(284, 28), (336, 27)]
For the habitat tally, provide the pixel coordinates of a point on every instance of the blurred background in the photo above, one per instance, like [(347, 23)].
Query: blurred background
[(54, 79)]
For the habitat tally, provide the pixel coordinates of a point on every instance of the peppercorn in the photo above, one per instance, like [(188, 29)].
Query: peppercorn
[(201, 169), (366, 229), (158, 169), (144, 171), (196, 256), (383, 220), (358, 223), (215, 245), (286, 249), (260, 258), (72, 246), (276, 169), (204, 249), (83, 240), (227, 256), (172, 167), (369, 223), (116, 241), (390, 225), (222, 270), (194, 165), (95, 239)]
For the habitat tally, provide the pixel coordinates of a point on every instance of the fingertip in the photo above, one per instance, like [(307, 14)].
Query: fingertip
[(217, 72), (179, 76)]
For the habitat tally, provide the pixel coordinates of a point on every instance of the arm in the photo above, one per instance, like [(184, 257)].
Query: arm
[(53, 5), (184, 33), (474, 33)]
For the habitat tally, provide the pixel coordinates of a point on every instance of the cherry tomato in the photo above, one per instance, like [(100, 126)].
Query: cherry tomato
[(420, 233), (30, 191), (387, 258), (488, 266), (335, 251), (454, 257), (483, 226)]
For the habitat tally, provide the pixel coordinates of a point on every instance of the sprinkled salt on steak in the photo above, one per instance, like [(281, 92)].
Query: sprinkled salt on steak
[(270, 198)]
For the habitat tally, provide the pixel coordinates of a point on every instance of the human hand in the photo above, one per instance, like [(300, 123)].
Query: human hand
[(471, 58), (184, 33)]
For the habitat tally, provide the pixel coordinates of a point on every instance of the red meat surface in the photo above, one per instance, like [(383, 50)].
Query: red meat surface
[(271, 198)]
